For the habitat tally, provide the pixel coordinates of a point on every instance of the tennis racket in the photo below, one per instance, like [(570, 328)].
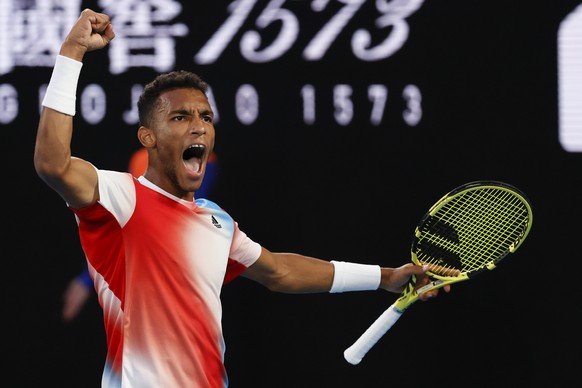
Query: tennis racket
[(465, 233)]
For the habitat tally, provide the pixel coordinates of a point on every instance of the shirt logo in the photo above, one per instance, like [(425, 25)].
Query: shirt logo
[(216, 223)]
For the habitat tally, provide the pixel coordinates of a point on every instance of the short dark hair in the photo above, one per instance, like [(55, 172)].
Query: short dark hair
[(178, 79)]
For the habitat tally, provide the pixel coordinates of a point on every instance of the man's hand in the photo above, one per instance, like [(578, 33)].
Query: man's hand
[(74, 298), (395, 279), (92, 31)]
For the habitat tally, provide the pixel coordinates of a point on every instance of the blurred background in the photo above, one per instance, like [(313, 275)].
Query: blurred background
[(339, 123)]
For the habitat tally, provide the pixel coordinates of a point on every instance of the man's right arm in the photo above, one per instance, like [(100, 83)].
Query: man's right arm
[(74, 179)]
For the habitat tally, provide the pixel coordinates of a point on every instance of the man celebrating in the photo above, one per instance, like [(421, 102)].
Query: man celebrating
[(158, 257)]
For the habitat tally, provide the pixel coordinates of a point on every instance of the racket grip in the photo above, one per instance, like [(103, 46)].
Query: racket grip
[(368, 339)]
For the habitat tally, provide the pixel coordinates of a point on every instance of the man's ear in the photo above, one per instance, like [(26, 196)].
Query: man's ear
[(146, 136)]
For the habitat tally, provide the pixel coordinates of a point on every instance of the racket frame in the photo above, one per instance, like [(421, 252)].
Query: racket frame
[(384, 322)]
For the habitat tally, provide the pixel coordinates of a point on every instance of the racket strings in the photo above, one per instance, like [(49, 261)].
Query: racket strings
[(472, 228), (489, 219)]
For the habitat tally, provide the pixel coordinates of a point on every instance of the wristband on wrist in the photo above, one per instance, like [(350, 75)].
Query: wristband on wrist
[(355, 277), (61, 93)]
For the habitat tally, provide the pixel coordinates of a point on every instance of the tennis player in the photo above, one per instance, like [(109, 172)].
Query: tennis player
[(158, 256)]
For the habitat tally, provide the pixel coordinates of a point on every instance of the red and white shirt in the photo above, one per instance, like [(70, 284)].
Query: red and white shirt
[(158, 264)]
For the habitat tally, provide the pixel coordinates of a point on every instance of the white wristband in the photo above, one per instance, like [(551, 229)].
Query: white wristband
[(355, 277), (61, 93)]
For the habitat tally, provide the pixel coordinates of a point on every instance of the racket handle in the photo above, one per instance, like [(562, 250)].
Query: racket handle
[(358, 350)]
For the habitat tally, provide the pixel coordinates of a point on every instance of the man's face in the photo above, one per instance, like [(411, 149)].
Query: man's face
[(184, 132)]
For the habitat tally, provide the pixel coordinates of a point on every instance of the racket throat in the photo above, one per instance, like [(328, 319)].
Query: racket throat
[(430, 286)]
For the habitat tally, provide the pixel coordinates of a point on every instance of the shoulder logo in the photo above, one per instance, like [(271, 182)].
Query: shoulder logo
[(216, 223)]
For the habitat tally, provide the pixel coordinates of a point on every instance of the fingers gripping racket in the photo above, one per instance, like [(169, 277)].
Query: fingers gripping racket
[(465, 233)]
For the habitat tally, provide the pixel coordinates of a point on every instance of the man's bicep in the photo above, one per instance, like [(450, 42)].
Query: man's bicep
[(79, 187), (263, 269)]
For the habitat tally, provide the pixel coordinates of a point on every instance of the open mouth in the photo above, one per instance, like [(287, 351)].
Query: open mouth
[(192, 157)]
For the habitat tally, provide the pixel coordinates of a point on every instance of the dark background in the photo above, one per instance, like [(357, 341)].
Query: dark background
[(487, 71)]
